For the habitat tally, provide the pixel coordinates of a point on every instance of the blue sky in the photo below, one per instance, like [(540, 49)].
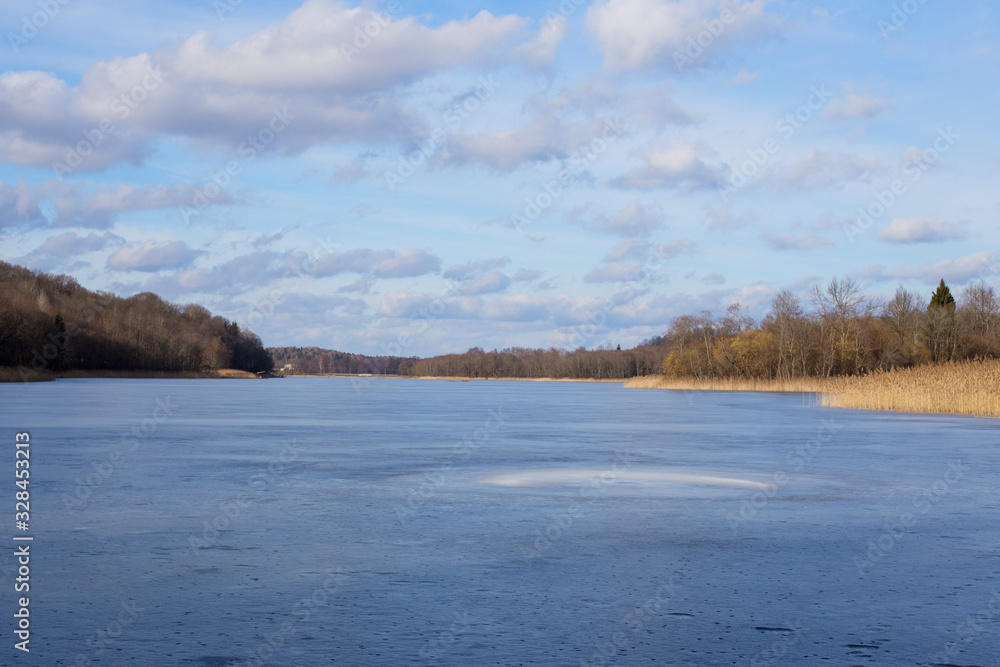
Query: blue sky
[(498, 174)]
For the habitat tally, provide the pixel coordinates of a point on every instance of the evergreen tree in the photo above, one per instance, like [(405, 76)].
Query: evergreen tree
[(942, 297), (940, 331)]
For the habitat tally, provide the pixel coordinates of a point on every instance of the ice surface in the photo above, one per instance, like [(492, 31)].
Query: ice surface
[(344, 523)]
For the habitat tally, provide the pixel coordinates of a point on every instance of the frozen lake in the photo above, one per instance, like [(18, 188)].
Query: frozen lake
[(398, 522)]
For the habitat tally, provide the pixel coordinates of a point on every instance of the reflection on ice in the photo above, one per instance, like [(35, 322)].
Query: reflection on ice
[(553, 476)]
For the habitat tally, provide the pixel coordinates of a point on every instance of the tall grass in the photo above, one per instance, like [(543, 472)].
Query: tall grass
[(794, 385), (963, 388)]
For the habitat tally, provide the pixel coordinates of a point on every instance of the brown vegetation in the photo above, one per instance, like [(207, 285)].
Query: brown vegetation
[(520, 362), (317, 361), (52, 324), (845, 333), (963, 388)]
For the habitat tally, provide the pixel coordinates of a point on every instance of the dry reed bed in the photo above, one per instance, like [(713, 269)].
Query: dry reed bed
[(965, 388)]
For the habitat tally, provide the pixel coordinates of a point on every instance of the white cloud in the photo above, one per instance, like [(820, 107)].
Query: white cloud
[(405, 263), (223, 92), (69, 244), (540, 140), (959, 270), (680, 163), (642, 33), (791, 242), (636, 220), (151, 256), (743, 78), (827, 169), (920, 230), (855, 106), (18, 206)]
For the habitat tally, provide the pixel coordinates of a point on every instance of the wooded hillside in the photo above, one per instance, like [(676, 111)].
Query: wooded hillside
[(51, 323)]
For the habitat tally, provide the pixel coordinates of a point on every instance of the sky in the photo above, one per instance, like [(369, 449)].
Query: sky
[(423, 177)]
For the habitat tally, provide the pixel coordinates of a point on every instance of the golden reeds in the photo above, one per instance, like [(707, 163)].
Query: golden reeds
[(964, 388), (794, 385)]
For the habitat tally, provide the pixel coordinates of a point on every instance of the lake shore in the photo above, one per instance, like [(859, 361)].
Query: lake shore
[(8, 374)]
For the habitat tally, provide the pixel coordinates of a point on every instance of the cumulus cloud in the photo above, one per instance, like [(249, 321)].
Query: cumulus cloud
[(152, 256), (959, 270), (405, 263), (540, 140), (827, 169), (855, 106), (303, 67), (635, 220), (791, 242), (249, 270), (920, 230), (643, 33), (69, 244), (77, 208), (480, 276), (18, 206), (679, 164)]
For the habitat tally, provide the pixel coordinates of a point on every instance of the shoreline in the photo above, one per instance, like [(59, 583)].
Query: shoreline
[(14, 375)]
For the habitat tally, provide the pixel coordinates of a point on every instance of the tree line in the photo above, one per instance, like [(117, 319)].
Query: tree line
[(51, 323), (599, 364), (838, 331), (317, 361)]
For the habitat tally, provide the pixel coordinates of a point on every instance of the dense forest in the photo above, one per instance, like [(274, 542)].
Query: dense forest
[(838, 331), (51, 323), (315, 360)]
